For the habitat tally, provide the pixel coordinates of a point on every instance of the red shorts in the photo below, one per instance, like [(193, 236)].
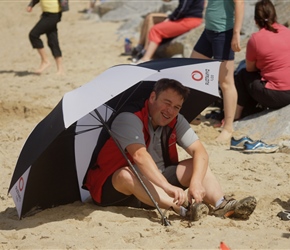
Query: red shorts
[(170, 29)]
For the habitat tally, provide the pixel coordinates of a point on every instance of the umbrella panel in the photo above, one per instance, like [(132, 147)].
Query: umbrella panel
[(58, 183), (53, 184), (196, 102)]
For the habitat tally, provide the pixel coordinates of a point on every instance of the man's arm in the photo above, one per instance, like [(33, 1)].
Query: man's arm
[(200, 164), (149, 169)]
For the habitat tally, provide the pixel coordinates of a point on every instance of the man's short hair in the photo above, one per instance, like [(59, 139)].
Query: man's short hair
[(166, 83)]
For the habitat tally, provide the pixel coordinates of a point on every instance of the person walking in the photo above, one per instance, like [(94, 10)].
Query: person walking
[(51, 15)]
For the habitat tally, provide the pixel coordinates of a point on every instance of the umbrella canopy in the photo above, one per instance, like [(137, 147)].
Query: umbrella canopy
[(54, 159)]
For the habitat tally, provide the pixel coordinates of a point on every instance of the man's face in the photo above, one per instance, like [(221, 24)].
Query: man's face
[(165, 108)]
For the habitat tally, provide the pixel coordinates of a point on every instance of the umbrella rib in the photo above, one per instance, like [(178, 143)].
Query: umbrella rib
[(87, 130), (125, 101)]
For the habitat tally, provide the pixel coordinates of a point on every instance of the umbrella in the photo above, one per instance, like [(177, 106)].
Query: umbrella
[(56, 155)]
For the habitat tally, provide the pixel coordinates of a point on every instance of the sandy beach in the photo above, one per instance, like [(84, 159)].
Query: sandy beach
[(89, 48)]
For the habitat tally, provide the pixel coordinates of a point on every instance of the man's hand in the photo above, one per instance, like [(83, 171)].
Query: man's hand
[(196, 191), (178, 194)]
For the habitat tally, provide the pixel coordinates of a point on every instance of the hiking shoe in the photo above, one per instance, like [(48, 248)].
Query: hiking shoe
[(259, 147), (226, 208), (197, 211), (238, 144), (245, 207), (136, 50)]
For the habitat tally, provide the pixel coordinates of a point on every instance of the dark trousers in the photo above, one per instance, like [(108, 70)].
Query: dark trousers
[(251, 91), (47, 25)]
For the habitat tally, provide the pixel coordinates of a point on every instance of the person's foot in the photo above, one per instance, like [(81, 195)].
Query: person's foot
[(42, 67), (245, 207), (136, 51), (224, 136), (60, 72), (226, 208), (139, 61), (233, 208), (197, 211)]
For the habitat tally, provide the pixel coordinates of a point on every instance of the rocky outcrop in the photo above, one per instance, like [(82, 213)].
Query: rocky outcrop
[(269, 126), (131, 14)]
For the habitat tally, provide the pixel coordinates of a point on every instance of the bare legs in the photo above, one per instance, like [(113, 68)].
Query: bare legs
[(146, 47), (227, 85), (152, 47), (44, 64), (127, 183), (59, 66), (230, 97), (44, 61), (210, 183), (150, 20)]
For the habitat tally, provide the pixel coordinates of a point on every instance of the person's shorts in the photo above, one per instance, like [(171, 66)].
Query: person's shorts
[(111, 197), (216, 45)]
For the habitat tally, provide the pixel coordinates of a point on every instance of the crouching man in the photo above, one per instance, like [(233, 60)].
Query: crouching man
[(149, 132)]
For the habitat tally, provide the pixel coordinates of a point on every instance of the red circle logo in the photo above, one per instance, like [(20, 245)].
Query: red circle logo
[(197, 75), (21, 184)]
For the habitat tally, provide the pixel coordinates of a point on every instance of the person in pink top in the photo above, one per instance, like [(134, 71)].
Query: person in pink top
[(265, 80)]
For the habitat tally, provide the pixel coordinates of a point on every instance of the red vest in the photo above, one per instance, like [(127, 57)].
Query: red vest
[(110, 157)]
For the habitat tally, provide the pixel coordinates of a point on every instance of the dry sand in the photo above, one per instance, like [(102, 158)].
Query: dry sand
[(88, 49)]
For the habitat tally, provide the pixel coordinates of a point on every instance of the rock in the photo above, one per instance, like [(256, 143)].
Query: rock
[(271, 126), (169, 48)]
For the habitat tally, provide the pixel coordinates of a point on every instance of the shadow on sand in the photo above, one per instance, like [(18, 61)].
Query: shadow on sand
[(18, 73)]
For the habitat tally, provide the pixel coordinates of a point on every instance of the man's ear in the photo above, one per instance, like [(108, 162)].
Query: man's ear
[(152, 96)]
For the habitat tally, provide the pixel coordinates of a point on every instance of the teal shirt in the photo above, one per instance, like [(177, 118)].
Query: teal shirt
[(219, 15)]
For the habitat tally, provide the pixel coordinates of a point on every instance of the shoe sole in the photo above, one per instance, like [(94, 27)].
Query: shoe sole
[(236, 148), (261, 150), (198, 211), (245, 207)]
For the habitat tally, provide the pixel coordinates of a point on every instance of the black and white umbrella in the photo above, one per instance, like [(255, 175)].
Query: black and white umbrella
[(54, 159)]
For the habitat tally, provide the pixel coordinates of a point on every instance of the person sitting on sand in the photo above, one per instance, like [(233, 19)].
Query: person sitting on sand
[(265, 80), (159, 26), (51, 15), (149, 132)]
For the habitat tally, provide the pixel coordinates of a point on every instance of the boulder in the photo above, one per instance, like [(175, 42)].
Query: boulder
[(270, 126)]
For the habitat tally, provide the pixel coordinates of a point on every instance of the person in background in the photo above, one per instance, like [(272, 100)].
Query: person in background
[(149, 132), (219, 40), (158, 26), (51, 15), (92, 5), (265, 80)]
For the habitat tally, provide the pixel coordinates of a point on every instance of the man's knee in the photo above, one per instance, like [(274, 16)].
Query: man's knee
[(123, 180)]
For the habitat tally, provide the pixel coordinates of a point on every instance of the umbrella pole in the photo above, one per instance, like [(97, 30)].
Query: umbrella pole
[(164, 219)]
